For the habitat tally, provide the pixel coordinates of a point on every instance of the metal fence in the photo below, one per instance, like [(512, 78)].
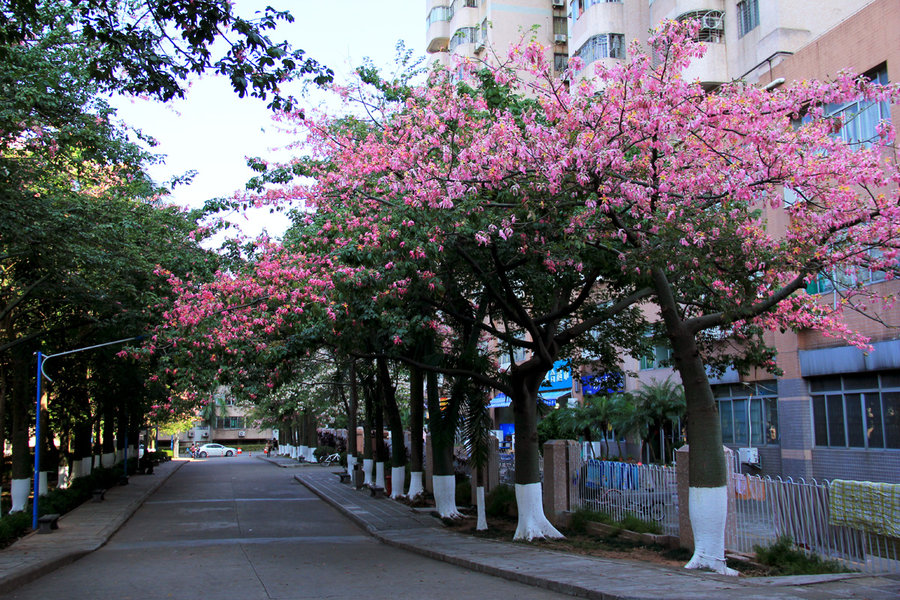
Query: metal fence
[(764, 509), (767, 508), (619, 489)]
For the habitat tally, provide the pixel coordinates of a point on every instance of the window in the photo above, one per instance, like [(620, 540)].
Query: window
[(748, 16), (860, 119), (852, 276), (560, 62), (229, 422), (439, 13), (748, 409), (560, 26), (605, 45), (857, 411), (658, 358), (464, 35)]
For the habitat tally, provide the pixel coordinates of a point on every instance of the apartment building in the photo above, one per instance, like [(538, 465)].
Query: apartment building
[(835, 411), (476, 28)]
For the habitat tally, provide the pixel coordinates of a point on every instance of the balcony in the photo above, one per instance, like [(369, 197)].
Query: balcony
[(710, 70), (438, 33)]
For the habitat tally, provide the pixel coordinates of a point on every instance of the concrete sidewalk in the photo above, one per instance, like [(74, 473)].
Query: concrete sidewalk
[(396, 524), (81, 531)]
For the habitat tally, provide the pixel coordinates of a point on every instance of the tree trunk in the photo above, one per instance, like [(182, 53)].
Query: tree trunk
[(352, 449), (398, 446), (708, 499), (532, 524), (312, 435), (368, 443), (443, 430), (416, 431), (22, 465)]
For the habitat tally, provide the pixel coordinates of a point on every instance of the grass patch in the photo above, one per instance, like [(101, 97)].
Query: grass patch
[(581, 517), (784, 558)]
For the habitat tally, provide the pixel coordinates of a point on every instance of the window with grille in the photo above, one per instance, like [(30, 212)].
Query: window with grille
[(748, 16), (604, 45)]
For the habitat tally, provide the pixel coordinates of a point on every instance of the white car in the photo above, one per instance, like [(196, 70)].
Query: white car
[(215, 450)]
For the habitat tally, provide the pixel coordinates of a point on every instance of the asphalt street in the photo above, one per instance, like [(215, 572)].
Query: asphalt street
[(243, 529)]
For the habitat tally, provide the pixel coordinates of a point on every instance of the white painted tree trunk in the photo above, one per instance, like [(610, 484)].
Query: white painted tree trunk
[(532, 522), (445, 496), (302, 452), (398, 479), (481, 524), (415, 485), (708, 509), (97, 461), (19, 491), (108, 460), (368, 465), (311, 454), (87, 464), (379, 474), (351, 463), (62, 477), (77, 469), (42, 483)]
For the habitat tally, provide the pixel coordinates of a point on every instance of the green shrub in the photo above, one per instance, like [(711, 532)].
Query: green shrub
[(786, 559), (638, 525), (322, 451), (464, 493), (581, 517), (13, 526), (501, 501)]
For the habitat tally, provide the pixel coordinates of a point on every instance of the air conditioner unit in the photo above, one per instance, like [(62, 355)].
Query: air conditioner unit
[(560, 3), (712, 22), (749, 456), (190, 433), (560, 38), (205, 434), (479, 46), (242, 433)]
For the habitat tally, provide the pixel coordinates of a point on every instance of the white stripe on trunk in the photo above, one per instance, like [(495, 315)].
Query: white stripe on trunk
[(351, 463), (481, 524), (368, 465), (445, 496), (532, 522), (708, 509), (42, 483), (108, 460), (19, 491), (311, 454), (415, 485), (379, 474), (398, 479)]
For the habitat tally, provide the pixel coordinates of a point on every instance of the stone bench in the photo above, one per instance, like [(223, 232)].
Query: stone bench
[(376, 492), (47, 523), (345, 476), (99, 495)]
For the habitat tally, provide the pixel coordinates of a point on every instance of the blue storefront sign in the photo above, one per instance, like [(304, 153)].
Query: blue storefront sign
[(602, 383)]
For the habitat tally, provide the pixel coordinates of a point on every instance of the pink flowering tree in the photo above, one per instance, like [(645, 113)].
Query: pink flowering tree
[(534, 210)]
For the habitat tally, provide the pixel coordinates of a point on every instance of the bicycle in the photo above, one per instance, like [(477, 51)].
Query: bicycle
[(331, 458)]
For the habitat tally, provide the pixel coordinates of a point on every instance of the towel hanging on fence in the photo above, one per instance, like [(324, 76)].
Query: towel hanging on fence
[(865, 505)]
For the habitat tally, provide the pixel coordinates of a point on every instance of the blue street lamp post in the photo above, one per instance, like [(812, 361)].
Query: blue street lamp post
[(41, 360)]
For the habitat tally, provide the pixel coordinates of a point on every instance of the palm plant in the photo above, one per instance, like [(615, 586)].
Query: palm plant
[(212, 410), (661, 406)]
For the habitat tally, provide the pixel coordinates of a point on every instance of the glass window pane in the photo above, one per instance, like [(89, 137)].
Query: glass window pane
[(890, 380), (740, 421), (771, 420), (861, 382), (756, 422), (725, 418), (874, 431), (890, 402), (853, 410), (835, 420), (767, 388), (820, 420), (825, 384)]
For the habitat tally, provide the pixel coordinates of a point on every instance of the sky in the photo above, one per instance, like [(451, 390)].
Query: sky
[(211, 131)]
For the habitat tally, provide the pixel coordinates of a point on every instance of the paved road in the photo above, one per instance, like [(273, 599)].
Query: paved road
[(240, 528)]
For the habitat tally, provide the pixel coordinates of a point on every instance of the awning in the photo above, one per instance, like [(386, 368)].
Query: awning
[(553, 397), (501, 400), (550, 398)]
